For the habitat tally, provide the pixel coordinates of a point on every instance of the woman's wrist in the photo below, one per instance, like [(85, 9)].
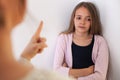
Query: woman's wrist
[(26, 56), (25, 61)]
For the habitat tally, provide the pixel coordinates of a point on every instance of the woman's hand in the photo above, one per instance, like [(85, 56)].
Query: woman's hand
[(36, 45)]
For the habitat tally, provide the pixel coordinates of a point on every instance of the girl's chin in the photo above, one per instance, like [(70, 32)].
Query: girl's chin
[(82, 31)]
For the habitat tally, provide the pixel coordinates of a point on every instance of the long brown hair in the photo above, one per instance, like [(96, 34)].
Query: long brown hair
[(11, 12), (95, 28)]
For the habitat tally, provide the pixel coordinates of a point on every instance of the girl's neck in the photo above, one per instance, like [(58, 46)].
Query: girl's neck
[(81, 35)]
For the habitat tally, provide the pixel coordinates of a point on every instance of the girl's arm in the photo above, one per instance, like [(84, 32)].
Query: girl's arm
[(76, 73), (101, 63), (59, 56)]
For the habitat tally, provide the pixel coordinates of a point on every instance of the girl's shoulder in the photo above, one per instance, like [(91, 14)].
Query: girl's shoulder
[(65, 35), (99, 38)]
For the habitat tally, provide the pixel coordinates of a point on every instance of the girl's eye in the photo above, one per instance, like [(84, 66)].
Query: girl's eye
[(88, 19), (78, 18)]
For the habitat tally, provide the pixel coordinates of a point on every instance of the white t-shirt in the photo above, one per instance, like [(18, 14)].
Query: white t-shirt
[(41, 74), (45, 75)]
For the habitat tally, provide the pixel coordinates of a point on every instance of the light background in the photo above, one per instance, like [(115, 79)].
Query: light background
[(56, 15)]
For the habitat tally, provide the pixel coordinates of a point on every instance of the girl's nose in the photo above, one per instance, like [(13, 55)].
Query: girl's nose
[(82, 21)]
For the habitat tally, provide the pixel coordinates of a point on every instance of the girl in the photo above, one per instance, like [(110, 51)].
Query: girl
[(81, 51)]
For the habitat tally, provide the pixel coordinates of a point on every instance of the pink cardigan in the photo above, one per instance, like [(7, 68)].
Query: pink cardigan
[(100, 57)]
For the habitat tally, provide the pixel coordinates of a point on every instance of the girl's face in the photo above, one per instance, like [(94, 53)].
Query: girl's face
[(82, 20)]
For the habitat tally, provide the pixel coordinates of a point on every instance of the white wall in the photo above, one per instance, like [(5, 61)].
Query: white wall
[(56, 16)]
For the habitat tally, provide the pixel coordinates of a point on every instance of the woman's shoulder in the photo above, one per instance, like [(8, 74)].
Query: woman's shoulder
[(42, 74)]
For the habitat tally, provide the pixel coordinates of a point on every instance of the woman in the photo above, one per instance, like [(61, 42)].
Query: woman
[(82, 51), (11, 14)]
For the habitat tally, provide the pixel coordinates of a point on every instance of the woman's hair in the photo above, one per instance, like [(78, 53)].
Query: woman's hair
[(11, 12), (95, 28)]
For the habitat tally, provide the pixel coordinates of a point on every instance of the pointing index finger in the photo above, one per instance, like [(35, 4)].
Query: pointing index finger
[(38, 31)]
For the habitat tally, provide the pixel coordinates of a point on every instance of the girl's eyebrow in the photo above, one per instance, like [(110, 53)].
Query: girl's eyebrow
[(80, 15)]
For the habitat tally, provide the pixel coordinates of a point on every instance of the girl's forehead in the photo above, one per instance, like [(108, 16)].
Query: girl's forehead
[(82, 11)]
